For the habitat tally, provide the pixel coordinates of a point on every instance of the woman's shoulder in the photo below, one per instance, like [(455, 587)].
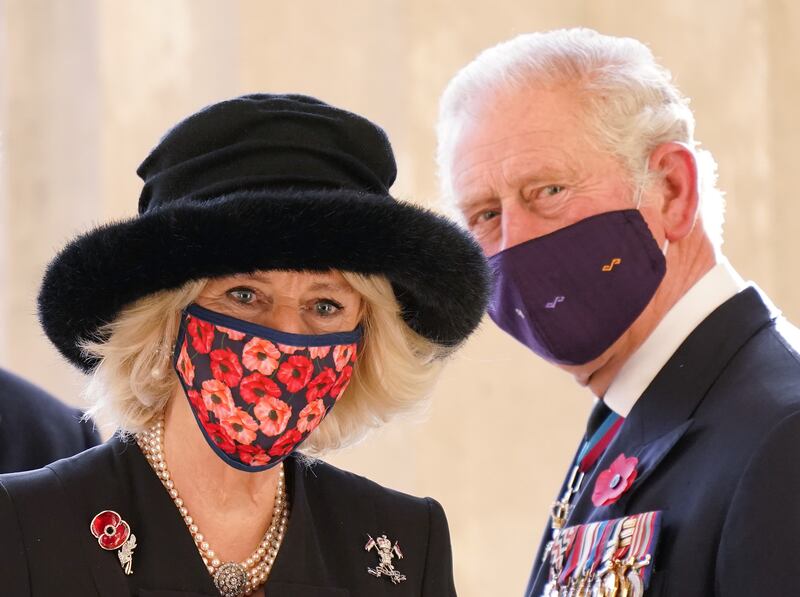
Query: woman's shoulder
[(94, 463), (357, 523), (43, 522), (335, 484)]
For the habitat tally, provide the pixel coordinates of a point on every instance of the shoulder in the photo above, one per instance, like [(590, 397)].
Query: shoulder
[(59, 487), (81, 470), (36, 428), (322, 477), (767, 370), (346, 510), (42, 514), (23, 397), (356, 499)]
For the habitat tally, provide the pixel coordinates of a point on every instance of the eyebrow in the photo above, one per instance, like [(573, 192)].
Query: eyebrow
[(318, 286), (546, 174), (476, 200)]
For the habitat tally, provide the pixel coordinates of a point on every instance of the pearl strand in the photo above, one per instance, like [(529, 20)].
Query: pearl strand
[(259, 564)]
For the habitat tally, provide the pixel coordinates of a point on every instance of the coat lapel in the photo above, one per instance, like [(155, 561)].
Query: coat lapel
[(300, 570), (663, 414), (166, 562), (165, 556)]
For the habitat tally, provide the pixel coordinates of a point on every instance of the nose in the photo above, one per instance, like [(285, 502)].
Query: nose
[(519, 224), (285, 318)]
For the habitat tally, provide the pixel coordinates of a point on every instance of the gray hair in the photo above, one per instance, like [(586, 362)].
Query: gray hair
[(631, 103)]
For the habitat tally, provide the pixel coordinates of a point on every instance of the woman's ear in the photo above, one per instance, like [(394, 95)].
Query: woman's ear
[(675, 164)]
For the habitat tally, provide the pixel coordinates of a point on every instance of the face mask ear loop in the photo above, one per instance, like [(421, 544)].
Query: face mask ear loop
[(640, 188), (638, 198), (640, 194)]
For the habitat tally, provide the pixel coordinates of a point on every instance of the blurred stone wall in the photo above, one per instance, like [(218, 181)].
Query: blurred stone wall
[(88, 86)]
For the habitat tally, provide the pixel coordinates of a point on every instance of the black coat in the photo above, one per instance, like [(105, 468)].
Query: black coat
[(35, 428), (717, 435), (47, 548)]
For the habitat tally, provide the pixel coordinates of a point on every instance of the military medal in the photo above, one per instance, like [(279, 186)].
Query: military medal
[(386, 553), (590, 453), (607, 558), (114, 533)]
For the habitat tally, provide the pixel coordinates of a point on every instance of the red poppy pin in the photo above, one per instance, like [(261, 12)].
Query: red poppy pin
[(614, 481), (114, 533)]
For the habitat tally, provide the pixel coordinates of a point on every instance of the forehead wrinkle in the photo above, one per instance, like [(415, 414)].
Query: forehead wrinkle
[(322, 282), (318, 286)]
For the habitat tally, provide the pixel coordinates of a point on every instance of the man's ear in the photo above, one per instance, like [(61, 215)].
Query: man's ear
[(676, 166)]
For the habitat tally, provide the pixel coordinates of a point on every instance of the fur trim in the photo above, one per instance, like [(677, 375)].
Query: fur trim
[(439, 274)]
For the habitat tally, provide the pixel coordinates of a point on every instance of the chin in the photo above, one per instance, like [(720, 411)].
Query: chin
[(585, 374)]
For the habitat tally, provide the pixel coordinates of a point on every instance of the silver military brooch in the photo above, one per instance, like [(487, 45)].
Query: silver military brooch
[(386, 553)]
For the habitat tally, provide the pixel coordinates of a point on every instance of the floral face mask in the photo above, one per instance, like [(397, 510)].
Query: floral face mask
[(255, 392)]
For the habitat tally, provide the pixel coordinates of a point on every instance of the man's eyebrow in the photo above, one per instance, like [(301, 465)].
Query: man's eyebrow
[(475, 200), (542, 174)]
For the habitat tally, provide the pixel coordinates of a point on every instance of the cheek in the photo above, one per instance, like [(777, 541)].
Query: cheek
[(654, 220)]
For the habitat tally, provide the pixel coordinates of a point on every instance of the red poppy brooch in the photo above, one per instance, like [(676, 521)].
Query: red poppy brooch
[(114, 533), (614, 481)]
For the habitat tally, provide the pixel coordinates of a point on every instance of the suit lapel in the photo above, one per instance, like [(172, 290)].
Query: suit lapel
[(663, 414)]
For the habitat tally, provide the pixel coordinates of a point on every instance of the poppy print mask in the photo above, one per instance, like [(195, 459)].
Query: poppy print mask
[(257, 393)]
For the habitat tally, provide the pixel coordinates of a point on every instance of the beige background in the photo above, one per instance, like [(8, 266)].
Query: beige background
[(87, 87)]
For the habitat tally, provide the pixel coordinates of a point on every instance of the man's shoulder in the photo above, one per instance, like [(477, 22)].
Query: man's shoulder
[(24, 400), (768, 368), (36, 428)]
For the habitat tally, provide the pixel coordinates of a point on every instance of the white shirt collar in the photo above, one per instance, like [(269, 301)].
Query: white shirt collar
[(718, 285)]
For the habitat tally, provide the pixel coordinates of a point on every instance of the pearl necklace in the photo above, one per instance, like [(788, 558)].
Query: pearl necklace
[(232, 579)]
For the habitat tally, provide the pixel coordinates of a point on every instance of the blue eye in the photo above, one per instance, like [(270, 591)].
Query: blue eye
[(551, 190), (327, 308), (244, 296), (487, 215)]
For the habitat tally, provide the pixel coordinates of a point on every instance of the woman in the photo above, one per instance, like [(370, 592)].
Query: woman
[(268, 277)]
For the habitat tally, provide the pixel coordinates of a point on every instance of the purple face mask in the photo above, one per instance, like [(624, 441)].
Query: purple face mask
[(569, 295)]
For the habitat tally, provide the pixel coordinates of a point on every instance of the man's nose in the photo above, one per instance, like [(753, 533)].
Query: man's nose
[(519, 224)]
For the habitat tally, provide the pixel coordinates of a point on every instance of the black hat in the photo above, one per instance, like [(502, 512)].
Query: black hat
[(266, 182)]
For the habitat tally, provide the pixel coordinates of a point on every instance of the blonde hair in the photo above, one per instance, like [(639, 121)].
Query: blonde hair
[(631, 104), (394, 374)]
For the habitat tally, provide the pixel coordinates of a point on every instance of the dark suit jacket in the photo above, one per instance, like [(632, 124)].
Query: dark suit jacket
[(35, 428), (47, 548), (717, 435)]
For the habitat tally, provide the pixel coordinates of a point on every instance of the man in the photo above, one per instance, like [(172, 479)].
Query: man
[(571, 157), (35, 428)]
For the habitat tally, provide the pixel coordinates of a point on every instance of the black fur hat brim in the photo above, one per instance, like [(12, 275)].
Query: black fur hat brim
[(438, 273)]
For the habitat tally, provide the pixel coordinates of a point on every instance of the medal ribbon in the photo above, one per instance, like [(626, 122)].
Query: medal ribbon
[(594, 447), (589, 454), (562, 547), (574, 555), (587, 548), (602, 538), (643, 540)]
